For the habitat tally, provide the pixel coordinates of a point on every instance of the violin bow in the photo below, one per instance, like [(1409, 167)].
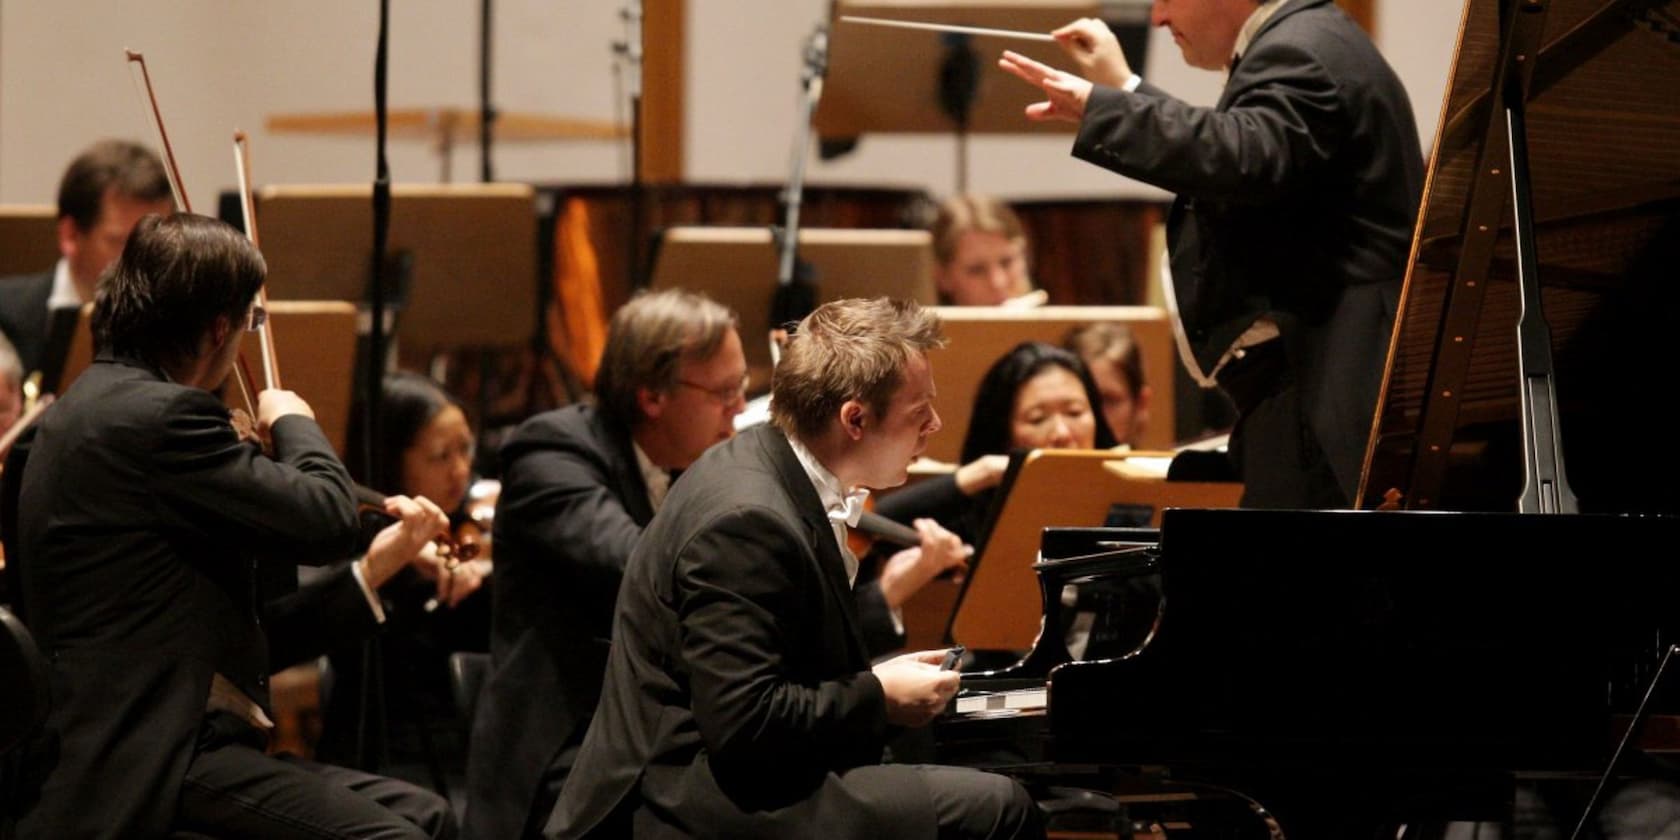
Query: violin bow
[(149, 107), (247, 207)]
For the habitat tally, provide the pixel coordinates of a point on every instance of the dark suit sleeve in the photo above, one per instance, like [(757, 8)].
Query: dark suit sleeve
[(560, 504), (1284, 121), (881, 634), (741, 586), (321, 615), (934, 498), (295, 507)]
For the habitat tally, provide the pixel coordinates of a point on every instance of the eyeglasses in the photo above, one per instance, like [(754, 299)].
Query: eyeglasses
[(727, 395), (256, 318)]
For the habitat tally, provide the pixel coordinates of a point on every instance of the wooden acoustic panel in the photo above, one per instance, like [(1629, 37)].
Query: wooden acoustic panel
[(315, 341), (28, 238)]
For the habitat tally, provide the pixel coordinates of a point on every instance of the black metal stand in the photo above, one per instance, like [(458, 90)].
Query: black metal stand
[(370, 717), (629, 51), (959, 83), (796, 285), (486, 111), (1545, 487)]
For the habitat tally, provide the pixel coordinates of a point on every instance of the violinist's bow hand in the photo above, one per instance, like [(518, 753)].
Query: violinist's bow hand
[(406, 541), (274, 403)]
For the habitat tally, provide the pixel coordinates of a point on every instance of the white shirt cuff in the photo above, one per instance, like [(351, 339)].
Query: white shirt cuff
[(367, 591), (898, 620), (1132, 83)]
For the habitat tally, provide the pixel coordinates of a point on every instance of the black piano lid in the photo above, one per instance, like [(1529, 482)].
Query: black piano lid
[(1604, 148)]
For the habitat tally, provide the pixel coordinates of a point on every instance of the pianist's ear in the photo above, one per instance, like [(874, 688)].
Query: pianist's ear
[(851, 418)]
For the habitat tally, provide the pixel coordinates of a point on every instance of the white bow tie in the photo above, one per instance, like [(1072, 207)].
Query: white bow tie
[(851, 508)]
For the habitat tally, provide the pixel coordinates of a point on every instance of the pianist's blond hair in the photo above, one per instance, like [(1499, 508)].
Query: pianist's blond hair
[(846, 350)]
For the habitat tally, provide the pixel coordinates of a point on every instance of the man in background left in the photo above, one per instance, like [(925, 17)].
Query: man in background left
[(104, 192)]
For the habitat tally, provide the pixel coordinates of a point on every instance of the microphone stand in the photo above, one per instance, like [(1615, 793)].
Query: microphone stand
[(370, 711), (629, 51), (959, 82), (796, 291), (486, 111)]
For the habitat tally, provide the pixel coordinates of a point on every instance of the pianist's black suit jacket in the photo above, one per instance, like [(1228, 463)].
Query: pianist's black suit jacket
[(150, 541), (23, 315), (738, 685), (1297, 195), (572, 506)]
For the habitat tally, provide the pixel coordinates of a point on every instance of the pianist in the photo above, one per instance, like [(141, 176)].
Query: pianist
[(739, 700)]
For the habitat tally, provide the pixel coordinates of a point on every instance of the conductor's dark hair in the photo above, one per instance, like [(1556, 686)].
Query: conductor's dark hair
[(176, 276), (989, 424)]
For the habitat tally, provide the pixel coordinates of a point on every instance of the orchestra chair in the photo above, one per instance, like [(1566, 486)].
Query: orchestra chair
[(468, 671), (977, 336), (24, 684), (25, 694)]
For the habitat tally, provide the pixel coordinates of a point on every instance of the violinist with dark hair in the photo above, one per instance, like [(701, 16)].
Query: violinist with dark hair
[(158, 554)]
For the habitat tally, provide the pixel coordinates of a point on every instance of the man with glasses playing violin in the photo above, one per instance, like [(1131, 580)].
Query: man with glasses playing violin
[(157, 555)]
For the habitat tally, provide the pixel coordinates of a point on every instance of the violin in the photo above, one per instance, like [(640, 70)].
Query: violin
[(455, 550), (371, 503)]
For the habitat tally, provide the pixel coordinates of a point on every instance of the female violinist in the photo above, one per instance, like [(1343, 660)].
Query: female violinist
[(426, 449)]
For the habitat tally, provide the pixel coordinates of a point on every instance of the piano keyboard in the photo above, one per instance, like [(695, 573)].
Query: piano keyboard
[(1002, 703)]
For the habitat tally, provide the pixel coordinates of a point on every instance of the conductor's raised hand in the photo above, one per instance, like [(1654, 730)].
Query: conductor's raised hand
[(1095, 51), (1066, 93)]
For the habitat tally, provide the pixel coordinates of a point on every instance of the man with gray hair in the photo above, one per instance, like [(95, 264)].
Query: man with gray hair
[(740, 700), (11, 386), (579, 484)]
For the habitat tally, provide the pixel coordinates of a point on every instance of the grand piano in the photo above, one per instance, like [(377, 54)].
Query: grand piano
[(1488, 613)]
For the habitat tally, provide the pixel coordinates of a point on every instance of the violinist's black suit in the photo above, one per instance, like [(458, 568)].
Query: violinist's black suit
[(150, 541)]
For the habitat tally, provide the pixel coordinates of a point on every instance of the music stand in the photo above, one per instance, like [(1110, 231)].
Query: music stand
[(980, 335), (998, 607), (737, 268), (315, 341), (473, 248), (28, 238)]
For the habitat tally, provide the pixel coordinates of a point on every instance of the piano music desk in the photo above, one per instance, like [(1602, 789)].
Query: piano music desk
[(999, 607)]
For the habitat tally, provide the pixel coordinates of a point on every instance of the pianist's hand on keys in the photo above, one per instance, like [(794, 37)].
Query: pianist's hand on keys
[(916, 690)]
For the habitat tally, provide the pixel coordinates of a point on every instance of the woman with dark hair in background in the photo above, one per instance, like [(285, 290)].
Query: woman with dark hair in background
[(1037, 396), (426, 448)]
